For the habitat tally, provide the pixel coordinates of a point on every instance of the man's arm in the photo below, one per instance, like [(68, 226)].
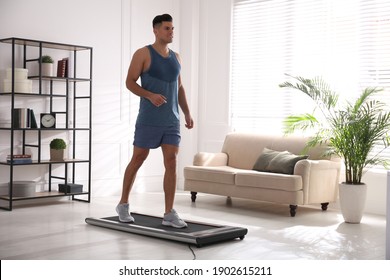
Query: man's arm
[(184, 106), (183, 101), (137, 66)]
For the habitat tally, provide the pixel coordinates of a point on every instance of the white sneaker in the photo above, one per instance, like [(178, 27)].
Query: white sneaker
[(172, 219), (123, 212)]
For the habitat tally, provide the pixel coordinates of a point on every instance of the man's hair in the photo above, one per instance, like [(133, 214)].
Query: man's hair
[(160, 18)]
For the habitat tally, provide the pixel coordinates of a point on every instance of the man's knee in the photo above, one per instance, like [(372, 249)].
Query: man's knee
[(170, 163), (170, 156), (139, 156)]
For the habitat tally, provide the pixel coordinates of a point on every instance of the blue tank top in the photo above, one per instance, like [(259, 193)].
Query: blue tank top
[(161, 78)]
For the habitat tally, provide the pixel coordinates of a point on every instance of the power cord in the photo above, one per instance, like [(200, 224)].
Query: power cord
[(192, 251)]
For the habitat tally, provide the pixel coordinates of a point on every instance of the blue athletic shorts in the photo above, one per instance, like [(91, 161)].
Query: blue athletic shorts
[(152, 137)]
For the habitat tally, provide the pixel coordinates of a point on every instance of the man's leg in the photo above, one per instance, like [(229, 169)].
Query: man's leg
[(170, 162), (171, 218), (138, 158)]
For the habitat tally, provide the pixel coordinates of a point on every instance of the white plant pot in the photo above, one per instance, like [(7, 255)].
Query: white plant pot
[(47, 69), (352, 201)]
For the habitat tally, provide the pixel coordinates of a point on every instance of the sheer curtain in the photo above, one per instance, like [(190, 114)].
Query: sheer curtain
[(346, 42)]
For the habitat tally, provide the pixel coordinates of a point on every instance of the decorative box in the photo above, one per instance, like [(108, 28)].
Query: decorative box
[(70, 188), (20, 73), (4, 189), (21, 83), (23, 188), (24, 86)]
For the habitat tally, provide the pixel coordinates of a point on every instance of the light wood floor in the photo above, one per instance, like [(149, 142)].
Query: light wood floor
[(57, 230)]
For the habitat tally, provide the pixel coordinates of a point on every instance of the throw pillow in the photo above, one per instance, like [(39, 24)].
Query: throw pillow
[(265, 158), (284, 163)]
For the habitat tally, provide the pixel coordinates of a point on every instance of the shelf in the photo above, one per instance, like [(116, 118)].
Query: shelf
[(44, 44), (52, 91), (28, 94), (60, 79), (44, 129), (41, 195), (35, 162), (32, 94)]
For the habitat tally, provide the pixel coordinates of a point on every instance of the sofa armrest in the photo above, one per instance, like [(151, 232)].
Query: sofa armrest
[(320, 180), (210, 159)]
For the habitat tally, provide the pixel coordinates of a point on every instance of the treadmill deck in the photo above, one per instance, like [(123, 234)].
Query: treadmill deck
[(196, 233)]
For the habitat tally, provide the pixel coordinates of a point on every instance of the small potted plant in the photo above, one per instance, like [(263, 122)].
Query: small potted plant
[(57, 148), (47, 66)]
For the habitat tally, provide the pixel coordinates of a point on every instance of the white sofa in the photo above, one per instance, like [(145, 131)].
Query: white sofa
[(230, 172)]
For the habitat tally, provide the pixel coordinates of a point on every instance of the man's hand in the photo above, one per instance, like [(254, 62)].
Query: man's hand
[(189, 122), (157, 99)]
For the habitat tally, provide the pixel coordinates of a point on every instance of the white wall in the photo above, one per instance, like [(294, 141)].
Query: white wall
[(116, 28), (214, 66), (92, 23)]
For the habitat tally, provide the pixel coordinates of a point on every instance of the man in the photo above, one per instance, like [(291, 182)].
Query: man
[(158, 123)]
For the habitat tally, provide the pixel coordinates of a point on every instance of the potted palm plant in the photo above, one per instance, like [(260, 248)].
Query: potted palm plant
[(351, 132), (57, 148), (47, 65)]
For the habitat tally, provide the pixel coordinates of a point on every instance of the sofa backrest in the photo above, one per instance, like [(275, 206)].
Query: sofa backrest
[(243, 149)]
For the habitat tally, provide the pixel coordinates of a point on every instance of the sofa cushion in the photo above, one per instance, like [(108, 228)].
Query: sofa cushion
[(268, 180), (217, 174), (265, 158), (284, 163)]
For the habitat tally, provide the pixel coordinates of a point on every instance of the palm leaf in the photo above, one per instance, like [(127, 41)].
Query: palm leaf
[(299, 122), (350, 132)]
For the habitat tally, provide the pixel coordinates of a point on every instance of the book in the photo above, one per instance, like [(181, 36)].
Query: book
[(66, 62), (24, 118), (61, 68), (21, 118), (33, 121), (19, 159), (18, 156)]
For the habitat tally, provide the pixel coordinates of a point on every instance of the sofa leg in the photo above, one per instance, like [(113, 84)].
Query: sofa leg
[(193, 196), (293, 210), (324, 206)]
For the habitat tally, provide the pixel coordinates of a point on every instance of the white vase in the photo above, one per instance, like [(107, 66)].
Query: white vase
[(352, 201), (47, 69)]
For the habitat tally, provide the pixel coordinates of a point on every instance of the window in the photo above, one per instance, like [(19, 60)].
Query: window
[(346, 42)]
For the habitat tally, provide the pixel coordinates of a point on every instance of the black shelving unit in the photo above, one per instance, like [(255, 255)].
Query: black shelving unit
[(24, 48)]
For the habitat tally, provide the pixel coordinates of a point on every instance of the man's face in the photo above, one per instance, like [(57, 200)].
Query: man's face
[(164, 32)]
